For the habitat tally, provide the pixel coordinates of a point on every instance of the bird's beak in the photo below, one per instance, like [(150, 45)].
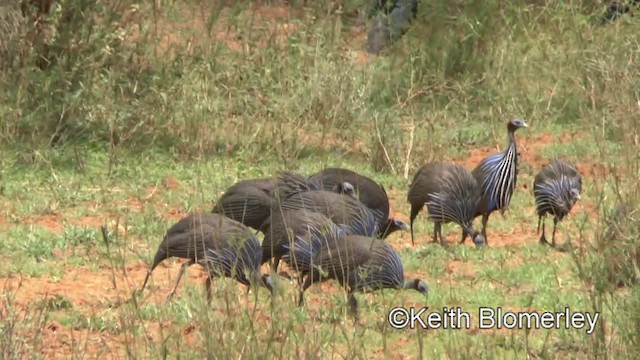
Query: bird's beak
[(578, 196), (404, 227), (524, 124)]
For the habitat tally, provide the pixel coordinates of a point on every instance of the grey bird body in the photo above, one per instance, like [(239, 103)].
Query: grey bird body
[(310, 229), (556, 188), (248, 201), (340, 208), (450, 193), (370, 193), (496, 176), (225, 246), (389, 27), (360, 264)]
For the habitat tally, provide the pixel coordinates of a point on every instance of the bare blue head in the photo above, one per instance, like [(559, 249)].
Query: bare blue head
[(394, 225), (479, 240), (418, 285), (346, 188), (516, 124)]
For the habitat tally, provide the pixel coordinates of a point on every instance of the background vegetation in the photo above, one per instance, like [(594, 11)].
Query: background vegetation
[(131, 114)]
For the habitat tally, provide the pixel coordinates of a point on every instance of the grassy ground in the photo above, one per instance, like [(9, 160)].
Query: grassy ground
[(147, 113)]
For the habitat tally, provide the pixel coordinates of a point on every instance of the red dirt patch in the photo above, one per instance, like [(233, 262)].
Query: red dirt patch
[(277, 13), (51, 222), (62, 342), (4, 224), (175, 214), (459, 269), (91, 221), (171, 183), (587, 169)]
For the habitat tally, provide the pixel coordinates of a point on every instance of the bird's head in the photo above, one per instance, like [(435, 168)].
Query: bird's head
[(421, 287), (516, 124), (574, 195), (394, 225), (267, 282), (346, 188), (479, 240)]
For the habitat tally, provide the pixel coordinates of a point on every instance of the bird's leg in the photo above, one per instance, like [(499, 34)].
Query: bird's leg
[(411, 226), (485, 219), (440, 234), (435, 232), (274, 265), (255, 304), (305, 286), (207, 286), (539, 221), (543, 237), (145, 280), (553, 234), (353, 307), (183, 269)]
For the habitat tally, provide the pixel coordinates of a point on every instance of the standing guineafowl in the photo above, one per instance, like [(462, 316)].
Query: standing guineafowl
[(360, 264), (556, 188), (496, 175), (450, 193), (225, 246), (388, 28), (370, 193)]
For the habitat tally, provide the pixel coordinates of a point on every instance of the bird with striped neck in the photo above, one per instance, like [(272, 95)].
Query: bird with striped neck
[(497, 175)]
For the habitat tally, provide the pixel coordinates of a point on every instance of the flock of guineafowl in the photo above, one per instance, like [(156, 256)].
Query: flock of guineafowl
[(333, 224)]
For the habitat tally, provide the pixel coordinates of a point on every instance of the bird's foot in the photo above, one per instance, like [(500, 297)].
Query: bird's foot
[(543, 240)]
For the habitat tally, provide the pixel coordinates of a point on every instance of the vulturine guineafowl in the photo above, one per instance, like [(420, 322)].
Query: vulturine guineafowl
[(450, 193), (388, 28), (370, 193), (496, 175), (340, 208), (285, 227), (556, 188), (248, 201), (291, 183), (225, 246), (360, 264)]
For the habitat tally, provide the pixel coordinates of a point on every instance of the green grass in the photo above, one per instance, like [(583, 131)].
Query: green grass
[(140, 119)]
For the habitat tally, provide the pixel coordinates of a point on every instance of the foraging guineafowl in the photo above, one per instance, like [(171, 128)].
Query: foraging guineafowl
[(286, 227), (248, 201), (225, 245), (341, 209), (370, 193), (360, 264), (388, 28), (496, 175), (450, 194), (556, 189)]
